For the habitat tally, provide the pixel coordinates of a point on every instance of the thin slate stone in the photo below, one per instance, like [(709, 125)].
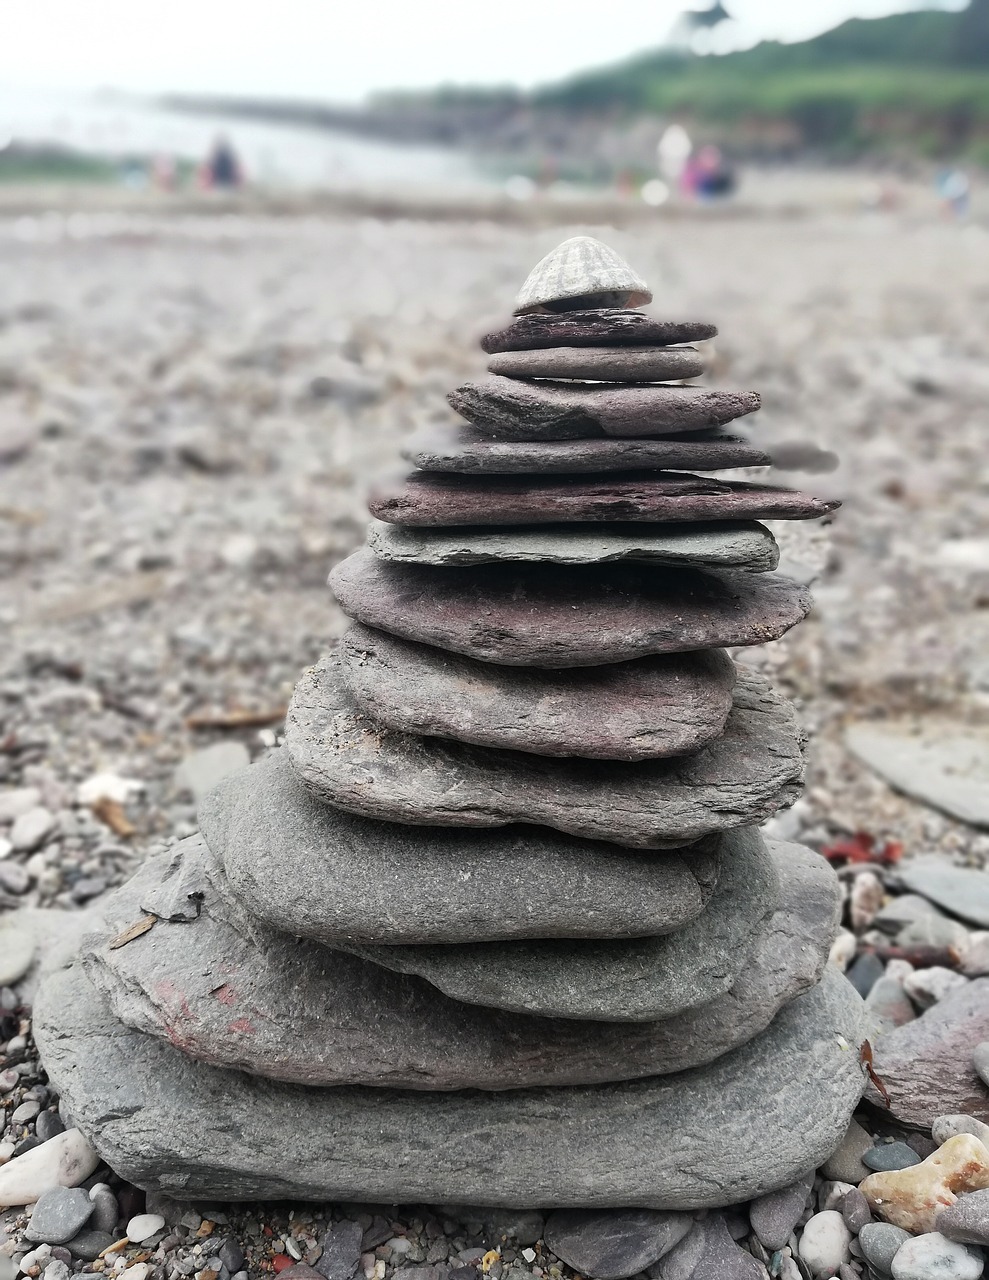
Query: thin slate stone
[(599, 328), (245, 996), (167, 1123), (708, 1253), (382, 882), (472, 452), (963, 891), (610, 1244), (612, 980), (597, 364), (890, 1155), (743, 777), (430, 500), (727, 545), (667, 705), (517, 410), (567, 615)]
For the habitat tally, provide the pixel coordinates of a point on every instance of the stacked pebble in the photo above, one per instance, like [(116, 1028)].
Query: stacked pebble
[(498, 925)]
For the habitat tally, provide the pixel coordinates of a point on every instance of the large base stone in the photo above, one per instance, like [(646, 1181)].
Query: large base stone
[(434, 500), (472, 452), (668, 705), (238, 994), (742, 778), (604, 327), (726, 545), (567, 616), (519, 410), (754, 1120), (317, 872), (616, 979)]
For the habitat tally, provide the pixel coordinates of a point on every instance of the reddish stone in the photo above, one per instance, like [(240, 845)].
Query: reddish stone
[(604, 328), (425, 499), (538, 615)]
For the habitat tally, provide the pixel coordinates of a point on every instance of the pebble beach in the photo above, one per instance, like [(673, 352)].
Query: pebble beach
[(193, 408)]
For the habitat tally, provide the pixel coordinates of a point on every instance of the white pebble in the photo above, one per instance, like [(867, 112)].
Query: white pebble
[(32, 829), (945, 1127), (108, 786), (36, 1258), (899, 970), (843, 949), (17, 801), (62, 1161), (139, 1271), (143, 1226), (934, 1255), (824, 1243), (927, 986), (832, 1194)]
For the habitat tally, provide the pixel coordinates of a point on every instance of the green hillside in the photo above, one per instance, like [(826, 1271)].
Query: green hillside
[(920, 80)]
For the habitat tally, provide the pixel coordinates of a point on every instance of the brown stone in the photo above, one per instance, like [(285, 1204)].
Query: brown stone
[(926, 1065), (604, 328), (517, 410), (537, 615), (345, 759), (600, 364), (469, 451), (659, 706), (427, 499)]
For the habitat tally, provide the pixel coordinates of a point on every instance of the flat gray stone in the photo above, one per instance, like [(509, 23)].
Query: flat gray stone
[(517, 410), (880, 1242), (345, 759), (961, 890), (667, 705), (341, 1251), (600, 364), (58, 1215), (736, 544), (775, 1216), (167, 1123), (306, 1009), (602, 327), (567, 616), (244, 996), (612, 980), (317, 872), (610, 1244), (708, 1253), (944, 764), (926, 1065), (428, 499), (472, 452)]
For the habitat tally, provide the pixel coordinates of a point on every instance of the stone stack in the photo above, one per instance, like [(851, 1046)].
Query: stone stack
[(498, 926)]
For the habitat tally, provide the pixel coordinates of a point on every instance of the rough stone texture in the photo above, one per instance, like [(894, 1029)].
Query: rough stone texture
[(167, 1123), (926, 1065), (962, 891), (518, 410), (609, 1244), (967, 1220), (317, 872), (248, 997), (941, 763), (708, 1253), (341, 1251), (667, 705), (934, 1255), (59, 1214), (604, 328), (428, 499), (880, 1242), (607, 364), (471, 452), (567, 616), (743, 777), (612, 980), (774, 1216), (728, 545)]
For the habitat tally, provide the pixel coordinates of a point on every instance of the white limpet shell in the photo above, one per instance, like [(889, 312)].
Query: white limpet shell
[(581, 273)]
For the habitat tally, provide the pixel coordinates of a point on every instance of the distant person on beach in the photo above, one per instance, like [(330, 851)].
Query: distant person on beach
[(954, 189), (708, 176), (222, 168)]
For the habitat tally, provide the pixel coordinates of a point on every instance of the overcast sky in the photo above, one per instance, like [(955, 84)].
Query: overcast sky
[(340, 50)]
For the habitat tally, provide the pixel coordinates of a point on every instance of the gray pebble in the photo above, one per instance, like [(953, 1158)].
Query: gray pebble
[(845, 1163), (231, 1255), (48, 1125), (980, 1061), (774, 1216), (89, 1244), (106, 1211), (865, 972), (855, 1210), (341, 1251), (880, 1242), (25, 1112), (59, 1214), (890, 1155)]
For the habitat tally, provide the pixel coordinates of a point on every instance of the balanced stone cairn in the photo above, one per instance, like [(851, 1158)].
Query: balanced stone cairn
[(497, 925)]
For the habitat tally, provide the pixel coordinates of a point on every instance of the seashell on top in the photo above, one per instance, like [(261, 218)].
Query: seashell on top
[(581, 274)]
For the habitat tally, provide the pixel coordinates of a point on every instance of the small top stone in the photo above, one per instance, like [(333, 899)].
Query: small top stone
[(581, 274)]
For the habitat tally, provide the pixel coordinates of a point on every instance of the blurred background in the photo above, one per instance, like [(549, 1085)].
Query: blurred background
[(245, 250)]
